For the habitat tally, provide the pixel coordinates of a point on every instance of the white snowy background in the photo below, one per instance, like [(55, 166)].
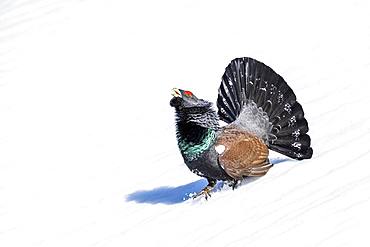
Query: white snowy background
[(88, 155)]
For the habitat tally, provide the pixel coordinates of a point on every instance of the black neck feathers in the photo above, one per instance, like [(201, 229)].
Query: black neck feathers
[(195, 125)]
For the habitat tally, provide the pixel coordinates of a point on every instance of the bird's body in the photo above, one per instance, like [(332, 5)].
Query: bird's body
[(262, 113)]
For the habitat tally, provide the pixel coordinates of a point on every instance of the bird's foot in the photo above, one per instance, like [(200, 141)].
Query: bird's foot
[(234, 183), (206, 192)]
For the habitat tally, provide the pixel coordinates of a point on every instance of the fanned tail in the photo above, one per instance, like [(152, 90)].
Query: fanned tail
[(252, 85)]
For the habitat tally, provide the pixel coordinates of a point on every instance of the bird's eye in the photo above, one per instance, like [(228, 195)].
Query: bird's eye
[(188, 93)]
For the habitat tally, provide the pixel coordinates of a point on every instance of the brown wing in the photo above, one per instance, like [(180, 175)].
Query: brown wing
[(244, 154)]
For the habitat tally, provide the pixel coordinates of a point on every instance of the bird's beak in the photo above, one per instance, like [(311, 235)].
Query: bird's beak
[(176, 92)]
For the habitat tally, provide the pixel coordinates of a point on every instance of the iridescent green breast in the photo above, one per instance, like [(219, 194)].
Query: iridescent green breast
[(192, 150)]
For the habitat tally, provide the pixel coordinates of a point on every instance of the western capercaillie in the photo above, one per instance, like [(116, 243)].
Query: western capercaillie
[(261, 112)]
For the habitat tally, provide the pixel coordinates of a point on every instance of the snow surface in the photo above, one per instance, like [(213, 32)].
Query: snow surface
[(88, 155)]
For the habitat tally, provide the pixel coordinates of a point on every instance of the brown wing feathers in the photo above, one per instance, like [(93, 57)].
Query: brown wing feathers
[(244, 154)]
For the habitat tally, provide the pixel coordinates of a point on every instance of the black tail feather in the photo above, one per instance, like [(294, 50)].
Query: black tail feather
[(246, 79), (292, 154)]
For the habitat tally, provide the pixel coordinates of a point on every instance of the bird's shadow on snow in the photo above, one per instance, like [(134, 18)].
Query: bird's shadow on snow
[(174, 195), (168, 195)]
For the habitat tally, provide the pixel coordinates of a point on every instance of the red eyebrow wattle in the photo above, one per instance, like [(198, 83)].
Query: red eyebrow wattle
[(188, 93)]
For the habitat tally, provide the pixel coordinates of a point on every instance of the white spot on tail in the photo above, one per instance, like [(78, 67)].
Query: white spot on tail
[(296, 134), (288, 108), (297, 145)]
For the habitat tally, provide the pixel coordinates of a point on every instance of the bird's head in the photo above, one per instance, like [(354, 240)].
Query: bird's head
[(184, 100), (193, 111)]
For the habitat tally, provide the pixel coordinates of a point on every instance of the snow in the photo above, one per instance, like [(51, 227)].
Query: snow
[(88, 154)]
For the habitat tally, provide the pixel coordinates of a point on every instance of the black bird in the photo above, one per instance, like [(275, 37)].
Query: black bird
[(261, 113)]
